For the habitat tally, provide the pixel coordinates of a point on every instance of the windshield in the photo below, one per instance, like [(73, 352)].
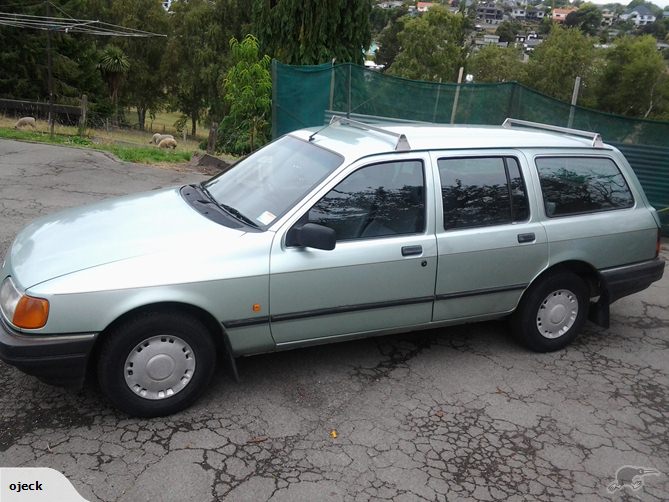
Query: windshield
[(263, 186)]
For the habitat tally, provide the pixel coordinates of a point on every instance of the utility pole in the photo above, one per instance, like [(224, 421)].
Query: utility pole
[(49, 70)]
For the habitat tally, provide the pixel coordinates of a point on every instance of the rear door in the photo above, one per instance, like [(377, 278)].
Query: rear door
[(381, 274), (490, 242)]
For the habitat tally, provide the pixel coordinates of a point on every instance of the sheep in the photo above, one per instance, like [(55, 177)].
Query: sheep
[(157, 138), (25, 121), (167, 143)]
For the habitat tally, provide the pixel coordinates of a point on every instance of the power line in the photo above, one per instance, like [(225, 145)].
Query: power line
[(58, 24)]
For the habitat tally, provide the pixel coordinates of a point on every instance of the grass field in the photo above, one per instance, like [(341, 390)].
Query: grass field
[(128, 145)]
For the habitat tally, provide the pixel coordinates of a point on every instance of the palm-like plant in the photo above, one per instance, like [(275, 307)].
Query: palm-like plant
[(113, 65)]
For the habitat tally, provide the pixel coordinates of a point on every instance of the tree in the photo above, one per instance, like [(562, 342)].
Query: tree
[(634, 81), (23, 58), (145, 82), (114, 64), (196, 55), (389, 44), (432, 46), (564, 55), (588, 18), (507, 31), (248, 88), (313, 32), (496, 64)]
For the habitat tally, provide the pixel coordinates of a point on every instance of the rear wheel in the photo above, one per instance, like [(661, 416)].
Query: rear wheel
[(552, 312), (156, 363)]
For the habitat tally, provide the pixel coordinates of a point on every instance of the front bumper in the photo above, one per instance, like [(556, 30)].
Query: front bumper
[(622, 281), (54, 359)]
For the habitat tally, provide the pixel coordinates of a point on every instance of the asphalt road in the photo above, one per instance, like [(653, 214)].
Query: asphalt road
[(454, 414)]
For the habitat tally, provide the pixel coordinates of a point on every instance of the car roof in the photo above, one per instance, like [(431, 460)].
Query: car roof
[(354, 142)]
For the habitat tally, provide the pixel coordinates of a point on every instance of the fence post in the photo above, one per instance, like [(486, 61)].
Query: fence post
[(574, 99), (350, 84), (82, 117), (457, 95), (332, 85), (211, 142), (436, 103)]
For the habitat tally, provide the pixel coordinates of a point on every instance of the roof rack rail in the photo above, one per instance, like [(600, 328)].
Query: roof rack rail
[(594, 136), (402, 144)]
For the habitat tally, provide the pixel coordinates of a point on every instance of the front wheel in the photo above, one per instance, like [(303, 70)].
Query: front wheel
[(155, 364), (552, 312)]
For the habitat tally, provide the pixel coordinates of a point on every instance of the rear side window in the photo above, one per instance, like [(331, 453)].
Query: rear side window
[(575, 185), (482, 191)]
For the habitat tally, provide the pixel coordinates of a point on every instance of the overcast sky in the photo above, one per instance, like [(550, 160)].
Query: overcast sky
[(659, 3)]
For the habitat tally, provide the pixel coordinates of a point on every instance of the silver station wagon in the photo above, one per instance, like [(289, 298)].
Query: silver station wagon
[(328, 234)]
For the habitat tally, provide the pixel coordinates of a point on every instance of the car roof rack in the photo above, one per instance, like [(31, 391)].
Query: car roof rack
[(402, 144), (594, 136)]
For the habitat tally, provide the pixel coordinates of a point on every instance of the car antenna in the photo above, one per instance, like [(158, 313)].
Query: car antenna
[(317, 132)]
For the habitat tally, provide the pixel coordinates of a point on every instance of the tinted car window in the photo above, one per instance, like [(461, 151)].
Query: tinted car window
[(573, 185), (482, 191), (378, 200)]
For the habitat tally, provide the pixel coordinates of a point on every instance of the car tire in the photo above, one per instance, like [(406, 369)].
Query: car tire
[(156, 363), (551, 312)]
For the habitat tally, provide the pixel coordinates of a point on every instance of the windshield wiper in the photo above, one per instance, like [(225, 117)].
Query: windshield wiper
[(229, 209)]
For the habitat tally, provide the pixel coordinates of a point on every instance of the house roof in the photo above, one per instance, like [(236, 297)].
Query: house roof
[(641, 10), (564, 11)]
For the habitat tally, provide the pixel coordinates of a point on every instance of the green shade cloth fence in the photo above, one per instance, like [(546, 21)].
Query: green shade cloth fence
[(303, 94)]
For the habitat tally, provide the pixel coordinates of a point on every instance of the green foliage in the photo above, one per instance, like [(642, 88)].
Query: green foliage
[(507, 31), (23, 58), (555, 64), (432, 46), (144, 86), (312, 31), (588, 18), (496, 64), (113, 65), (389, 43), (634, 80), (197, 53), (248, 88)]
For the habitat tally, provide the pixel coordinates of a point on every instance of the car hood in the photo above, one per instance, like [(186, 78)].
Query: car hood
[(110, 231)]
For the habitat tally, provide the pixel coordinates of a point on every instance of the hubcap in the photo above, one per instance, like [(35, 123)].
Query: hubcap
[(557, 313), (159, 367)]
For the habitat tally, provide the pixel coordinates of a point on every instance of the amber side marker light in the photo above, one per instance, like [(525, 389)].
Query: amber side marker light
[(31, 313)]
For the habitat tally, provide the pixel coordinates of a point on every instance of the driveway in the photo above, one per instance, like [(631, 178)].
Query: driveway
[(454, 414)]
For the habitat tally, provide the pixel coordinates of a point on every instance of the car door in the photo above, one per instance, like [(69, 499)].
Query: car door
[(490, 241), (380, 276)]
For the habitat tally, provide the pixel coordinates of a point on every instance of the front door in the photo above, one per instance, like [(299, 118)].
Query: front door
[(381, 273)]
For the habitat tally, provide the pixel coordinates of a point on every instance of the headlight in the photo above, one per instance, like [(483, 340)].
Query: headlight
[(22, 310)]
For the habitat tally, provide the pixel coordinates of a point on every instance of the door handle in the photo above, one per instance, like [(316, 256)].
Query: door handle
[(526, 237), (411, 250)]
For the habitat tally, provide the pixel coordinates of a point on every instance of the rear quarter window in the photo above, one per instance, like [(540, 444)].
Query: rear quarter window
[(577, 185)]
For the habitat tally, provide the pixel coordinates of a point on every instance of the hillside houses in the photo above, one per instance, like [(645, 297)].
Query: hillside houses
[(640, 16)]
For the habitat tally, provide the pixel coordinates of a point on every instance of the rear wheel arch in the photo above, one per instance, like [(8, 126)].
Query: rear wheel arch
[(584, 270)]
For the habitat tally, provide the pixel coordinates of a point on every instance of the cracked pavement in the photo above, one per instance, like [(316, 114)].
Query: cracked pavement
[(462, 413)]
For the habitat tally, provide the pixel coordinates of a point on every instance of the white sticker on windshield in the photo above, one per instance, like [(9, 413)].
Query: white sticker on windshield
[(266, 218)]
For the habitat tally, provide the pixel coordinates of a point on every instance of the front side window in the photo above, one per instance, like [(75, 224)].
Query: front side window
[(266, 184), (482, 191), (379, 200), (575, 185)]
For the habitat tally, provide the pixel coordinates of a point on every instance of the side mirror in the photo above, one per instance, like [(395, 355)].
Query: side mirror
[(312, 235)]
